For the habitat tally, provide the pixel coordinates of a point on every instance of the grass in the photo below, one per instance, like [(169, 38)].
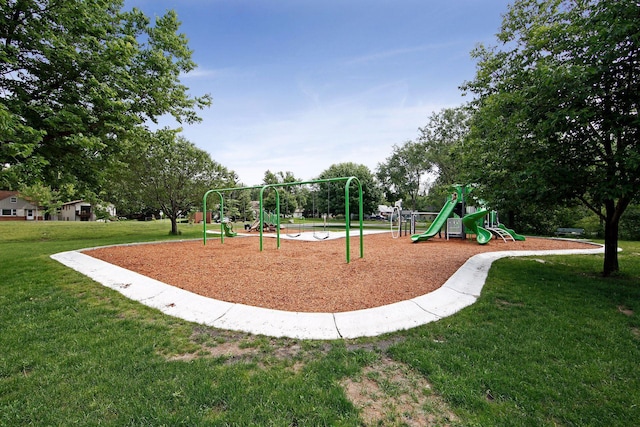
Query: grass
[(549, 342)]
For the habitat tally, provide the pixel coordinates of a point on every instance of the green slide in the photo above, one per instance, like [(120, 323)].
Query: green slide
[(515, 235), (438, 223), (471, 222)]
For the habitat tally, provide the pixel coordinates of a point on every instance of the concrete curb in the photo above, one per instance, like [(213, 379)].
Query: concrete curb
[(461, 290)]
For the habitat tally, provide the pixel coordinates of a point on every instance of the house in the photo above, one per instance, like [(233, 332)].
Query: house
[(384, 211), (15, 208), (79, 210)]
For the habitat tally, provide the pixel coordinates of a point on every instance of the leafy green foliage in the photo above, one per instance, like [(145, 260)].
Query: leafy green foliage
[(332, 195), (556, 114), (401, 174), (443, 137), (43, 197), (77, 77), (291, 197), (630, 224), (435, 153), (171, 174)]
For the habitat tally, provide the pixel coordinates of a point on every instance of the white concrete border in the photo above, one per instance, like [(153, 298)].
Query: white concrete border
[(461, 290)]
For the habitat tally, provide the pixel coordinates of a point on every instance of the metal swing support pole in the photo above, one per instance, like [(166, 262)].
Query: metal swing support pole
[(204, 210), (204, 216), (277, 215), (349, 181)]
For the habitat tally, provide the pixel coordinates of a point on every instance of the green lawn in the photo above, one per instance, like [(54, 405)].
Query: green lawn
[(548, 343)]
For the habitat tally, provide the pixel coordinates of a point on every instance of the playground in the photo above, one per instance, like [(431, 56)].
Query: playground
[(301, 272), (311, 275)]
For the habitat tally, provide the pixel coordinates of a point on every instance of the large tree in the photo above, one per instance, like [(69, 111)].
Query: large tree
[(443, 137), (331, 195), (435, 153), (401, 174), (557, 108), (171, 174), (291, 197), (75, 77)]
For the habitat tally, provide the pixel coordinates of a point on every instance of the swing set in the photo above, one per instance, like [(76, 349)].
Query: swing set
[(289, 227), (348, 181), (325, 233)]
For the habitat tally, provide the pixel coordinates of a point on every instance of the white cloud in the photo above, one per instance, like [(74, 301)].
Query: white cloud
[(308, 142), (384, 55)]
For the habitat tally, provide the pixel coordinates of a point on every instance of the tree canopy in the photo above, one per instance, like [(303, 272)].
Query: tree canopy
[(442, 137), (332, 194), (170, 174), (291, 197), (435, 153), (76, 77), (556, 109), (43, 197), (401, 174)]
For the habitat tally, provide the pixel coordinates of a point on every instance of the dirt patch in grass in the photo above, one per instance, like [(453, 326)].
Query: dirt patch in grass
[(386, 392), (625, 310), (391, 394)]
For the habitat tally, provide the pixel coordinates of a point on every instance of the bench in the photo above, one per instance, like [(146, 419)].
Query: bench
[(561, 231)]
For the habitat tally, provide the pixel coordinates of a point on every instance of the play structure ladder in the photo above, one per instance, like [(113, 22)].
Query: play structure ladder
[(501, 233)]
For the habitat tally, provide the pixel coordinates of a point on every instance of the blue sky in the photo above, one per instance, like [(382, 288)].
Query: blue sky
[(299, 85)]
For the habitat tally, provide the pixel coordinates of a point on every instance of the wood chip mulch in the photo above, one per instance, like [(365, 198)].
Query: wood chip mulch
[(310, 276)]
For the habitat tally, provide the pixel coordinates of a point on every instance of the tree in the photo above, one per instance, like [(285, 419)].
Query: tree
[(436, 152), (332, 195), (76, 77), (556, 109), (291, 197), (443, 138), (42, 196), (237, 204), (172, 175), (402, 172)]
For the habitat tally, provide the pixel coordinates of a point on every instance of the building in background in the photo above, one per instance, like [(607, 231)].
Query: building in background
[(15, 208)]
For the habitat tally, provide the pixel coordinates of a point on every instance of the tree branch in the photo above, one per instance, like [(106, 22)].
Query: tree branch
[(592, 208)]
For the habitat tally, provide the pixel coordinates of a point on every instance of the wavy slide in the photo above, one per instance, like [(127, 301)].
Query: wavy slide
[(437, 223), (470, 221), (515, 235)]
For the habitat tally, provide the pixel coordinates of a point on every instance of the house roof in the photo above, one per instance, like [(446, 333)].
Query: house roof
[(73, 202), (5, 194)]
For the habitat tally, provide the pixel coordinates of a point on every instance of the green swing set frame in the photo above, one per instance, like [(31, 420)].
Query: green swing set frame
[(348, 181)]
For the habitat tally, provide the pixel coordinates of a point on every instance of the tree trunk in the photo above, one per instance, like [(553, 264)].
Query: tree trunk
[(174, 226), (611, 224)]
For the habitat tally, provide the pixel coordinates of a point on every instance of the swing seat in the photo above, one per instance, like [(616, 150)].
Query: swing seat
[(294, 234)]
